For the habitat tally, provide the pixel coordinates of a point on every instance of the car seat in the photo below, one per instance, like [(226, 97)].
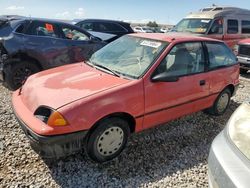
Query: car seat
[(182, 61)]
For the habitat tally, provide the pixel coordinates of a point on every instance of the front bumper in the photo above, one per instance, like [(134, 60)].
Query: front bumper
[(227, 166), (49, 142), (54, 146)]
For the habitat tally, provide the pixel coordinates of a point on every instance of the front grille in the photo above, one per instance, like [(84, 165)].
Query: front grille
[(244, 50)]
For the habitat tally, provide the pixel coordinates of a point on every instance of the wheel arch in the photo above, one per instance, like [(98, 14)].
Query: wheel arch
[(123, 115), (24, 57), (231, 87)]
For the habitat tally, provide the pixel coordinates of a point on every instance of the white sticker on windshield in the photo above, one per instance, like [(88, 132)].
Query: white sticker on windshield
[(205, 21), (152, 44)]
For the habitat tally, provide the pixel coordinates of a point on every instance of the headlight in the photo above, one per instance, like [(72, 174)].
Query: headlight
[(239, 128), (50, 116)]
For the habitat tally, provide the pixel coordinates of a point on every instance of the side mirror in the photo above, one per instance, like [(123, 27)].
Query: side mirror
[(164, 77)]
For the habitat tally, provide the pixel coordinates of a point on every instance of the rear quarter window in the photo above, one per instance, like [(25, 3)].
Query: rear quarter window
[(6, 27), (20, 29), (220, 55)]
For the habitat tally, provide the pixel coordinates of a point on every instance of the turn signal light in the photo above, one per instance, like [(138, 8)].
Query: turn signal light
[(56, 119)]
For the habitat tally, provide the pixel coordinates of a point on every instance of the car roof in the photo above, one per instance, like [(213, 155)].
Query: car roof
[(170, 37), (212, 12), (48, 20), (54, 21), (11, 17), (103, 20)]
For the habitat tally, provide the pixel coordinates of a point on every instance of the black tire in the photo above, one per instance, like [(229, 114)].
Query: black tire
[(216, 109), (18, 72), (99, 136), (243, 71)]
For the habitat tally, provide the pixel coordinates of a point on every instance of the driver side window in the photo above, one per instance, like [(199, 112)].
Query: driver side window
[(73, 34), (217, 27), (183, 59)]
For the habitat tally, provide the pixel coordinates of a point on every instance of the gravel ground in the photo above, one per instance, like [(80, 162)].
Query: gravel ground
[(174, 155)]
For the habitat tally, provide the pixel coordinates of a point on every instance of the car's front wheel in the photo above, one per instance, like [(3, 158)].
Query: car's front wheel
[(221, 103), (108, 139)]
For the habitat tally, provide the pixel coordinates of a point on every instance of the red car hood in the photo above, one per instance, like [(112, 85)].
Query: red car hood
[(63, 85), (244, 41)]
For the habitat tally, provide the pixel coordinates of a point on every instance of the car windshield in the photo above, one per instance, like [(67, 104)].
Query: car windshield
[(128, 56), (193, 25)]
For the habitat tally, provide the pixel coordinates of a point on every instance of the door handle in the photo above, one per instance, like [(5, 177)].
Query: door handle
[(202, 82)]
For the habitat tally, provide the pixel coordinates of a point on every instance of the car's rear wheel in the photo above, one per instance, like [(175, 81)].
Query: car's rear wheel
[(221, 103), (108, 140), (18, 73)]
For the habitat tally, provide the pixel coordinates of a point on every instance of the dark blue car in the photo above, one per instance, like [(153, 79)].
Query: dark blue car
[(38, 44)]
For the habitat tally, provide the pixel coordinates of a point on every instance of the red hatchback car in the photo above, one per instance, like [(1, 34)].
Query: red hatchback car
[(134, 83)]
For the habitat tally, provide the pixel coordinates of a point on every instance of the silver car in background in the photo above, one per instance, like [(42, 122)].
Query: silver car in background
[(229, 158)]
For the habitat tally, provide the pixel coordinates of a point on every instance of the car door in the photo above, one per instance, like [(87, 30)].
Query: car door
[(80, 44), (186, 90), (43, 43)]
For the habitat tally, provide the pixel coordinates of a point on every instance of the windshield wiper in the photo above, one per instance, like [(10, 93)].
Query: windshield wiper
[(189, 31), (89, 63), (106, 68)]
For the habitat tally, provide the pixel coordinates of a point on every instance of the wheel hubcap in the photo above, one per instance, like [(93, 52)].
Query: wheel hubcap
[(110, 141), (223, 102)]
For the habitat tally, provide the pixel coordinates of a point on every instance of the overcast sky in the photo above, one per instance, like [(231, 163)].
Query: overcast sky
[(161, 11)]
